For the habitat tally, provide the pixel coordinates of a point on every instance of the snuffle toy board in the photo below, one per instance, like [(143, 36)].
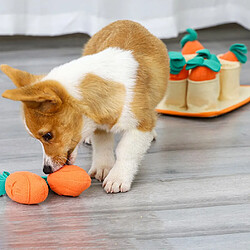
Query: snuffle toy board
[(202, 84)]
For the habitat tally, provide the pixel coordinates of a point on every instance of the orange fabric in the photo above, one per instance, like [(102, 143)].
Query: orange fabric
[(229, 56), (201, 73), (70, 180), (182, 75), (26, 188), (191, 47)]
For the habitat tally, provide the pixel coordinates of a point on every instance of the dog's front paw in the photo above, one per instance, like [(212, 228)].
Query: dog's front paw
[(99, 172), (117, 181)]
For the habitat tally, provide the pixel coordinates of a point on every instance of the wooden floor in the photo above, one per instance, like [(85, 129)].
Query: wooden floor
[(192, 190)]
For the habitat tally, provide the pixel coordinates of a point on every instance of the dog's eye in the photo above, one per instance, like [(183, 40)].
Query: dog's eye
[(48, 136)]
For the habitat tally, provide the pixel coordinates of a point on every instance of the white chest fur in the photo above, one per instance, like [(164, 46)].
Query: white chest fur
[(111, 64)]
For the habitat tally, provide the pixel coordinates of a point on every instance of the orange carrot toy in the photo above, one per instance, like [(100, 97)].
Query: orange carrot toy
[(237, 53), (205, 66), (28, 188), (25, 187), (70, 181), (190, 44)]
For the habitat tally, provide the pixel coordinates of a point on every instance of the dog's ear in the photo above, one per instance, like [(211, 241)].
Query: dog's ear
[(20, 78), (45, 96)]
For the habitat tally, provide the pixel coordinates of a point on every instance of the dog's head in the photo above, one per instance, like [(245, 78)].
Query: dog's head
[(50, 116)]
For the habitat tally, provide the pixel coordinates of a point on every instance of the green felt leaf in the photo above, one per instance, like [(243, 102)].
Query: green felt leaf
[(177, 62), (239, 50), (205, 53), (191, 36), (211, 63), (3, 178)]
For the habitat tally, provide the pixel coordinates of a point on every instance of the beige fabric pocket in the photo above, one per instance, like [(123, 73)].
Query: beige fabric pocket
[(176, 93), (189, 56), (203, 95), (229, 79)]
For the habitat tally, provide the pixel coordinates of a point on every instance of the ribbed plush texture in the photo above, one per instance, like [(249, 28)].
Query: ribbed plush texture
[(229, 56), (70, 180), (191, 47), (26, 188), (203, 69), (202, 74)]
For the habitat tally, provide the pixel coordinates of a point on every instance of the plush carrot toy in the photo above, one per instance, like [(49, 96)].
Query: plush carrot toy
[(177, 66), (203, 68), (28, 188), (70, 181), (237, 53), (24, 187), (190, 44)]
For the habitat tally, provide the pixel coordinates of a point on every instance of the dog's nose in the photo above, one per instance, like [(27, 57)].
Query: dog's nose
[(47, 169)]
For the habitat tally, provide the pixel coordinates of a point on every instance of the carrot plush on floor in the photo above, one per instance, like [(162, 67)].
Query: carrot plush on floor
[(29, 188)]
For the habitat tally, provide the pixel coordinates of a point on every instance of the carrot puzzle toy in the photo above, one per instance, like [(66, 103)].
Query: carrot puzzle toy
[(212, 87), (29, 188)]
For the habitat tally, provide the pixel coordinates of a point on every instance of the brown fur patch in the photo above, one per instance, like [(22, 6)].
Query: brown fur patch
[(20, 78), (45, 97), (102, 99), (65, 126), (152, 56), (47, 107)]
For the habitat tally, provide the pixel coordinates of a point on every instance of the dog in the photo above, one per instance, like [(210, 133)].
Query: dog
[(113, 88)]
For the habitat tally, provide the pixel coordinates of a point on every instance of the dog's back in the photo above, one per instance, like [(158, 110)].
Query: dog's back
[(153, 70)]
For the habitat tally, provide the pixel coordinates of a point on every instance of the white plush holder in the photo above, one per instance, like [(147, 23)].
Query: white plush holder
[(203, 95), (176, 94), (229, 79)]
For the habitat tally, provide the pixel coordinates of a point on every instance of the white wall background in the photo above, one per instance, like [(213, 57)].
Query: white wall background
[(164, 18)]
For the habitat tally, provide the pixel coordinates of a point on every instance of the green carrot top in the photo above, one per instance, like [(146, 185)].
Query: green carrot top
[(239, 50), (177, 62), (191, 36)]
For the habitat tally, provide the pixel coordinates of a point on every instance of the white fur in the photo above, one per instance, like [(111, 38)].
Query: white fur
[(112, 64), (129, 153), (25, 125), (48, 161), (43, 152), (89, 126), (103, 155)]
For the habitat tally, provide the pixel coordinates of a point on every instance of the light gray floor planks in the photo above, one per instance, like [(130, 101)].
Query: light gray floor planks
[(192, 191)]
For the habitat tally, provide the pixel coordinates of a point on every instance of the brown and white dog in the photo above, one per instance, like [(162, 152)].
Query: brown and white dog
[(113, 88)]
